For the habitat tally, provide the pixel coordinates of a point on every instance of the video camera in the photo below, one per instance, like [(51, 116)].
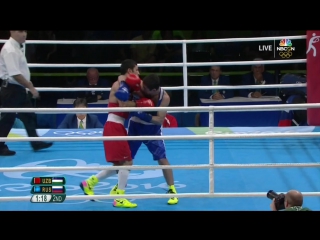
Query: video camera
[(278, 199)]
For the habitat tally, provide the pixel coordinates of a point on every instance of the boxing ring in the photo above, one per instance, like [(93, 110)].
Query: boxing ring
[(243, 163)]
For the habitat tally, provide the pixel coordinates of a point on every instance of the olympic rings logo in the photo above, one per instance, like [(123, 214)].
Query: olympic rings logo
[(286, 54), (78, 133)]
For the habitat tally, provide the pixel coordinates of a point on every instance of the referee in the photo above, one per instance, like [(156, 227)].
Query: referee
[(15, 76)]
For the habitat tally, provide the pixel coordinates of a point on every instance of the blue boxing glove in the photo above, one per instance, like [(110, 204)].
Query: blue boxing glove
[(143, 116), (123, 92)]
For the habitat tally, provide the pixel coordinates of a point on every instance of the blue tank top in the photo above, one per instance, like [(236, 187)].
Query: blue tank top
[(159, 101)]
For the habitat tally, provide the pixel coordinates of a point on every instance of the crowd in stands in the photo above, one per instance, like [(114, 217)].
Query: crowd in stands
[(156, 53)]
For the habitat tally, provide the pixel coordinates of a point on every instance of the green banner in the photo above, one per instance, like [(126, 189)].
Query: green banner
[(204, 130)]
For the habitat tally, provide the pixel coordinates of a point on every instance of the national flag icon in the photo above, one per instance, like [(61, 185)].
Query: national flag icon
[(57, 189), (37, 180), (37, 189), (58, 180)]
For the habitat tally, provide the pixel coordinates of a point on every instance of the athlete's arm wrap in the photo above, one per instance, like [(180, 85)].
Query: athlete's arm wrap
[(143, 116)]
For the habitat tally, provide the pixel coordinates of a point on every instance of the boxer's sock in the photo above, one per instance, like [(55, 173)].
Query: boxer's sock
[(105, 174), (122, 179)]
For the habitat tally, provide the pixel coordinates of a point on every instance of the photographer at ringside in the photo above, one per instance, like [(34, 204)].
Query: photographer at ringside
[(291, 201)]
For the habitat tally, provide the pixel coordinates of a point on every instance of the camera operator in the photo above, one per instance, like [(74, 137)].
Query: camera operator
[(291, 201)]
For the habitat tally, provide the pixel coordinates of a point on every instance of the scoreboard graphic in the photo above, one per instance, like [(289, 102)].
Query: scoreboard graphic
[(48, 190)]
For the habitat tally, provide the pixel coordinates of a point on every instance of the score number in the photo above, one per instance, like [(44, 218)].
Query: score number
[(48, 198)]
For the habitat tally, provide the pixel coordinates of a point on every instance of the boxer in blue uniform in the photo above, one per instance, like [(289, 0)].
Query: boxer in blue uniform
[(150, 124)]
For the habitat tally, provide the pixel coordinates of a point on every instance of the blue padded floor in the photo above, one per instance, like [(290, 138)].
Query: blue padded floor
[(304, 150)]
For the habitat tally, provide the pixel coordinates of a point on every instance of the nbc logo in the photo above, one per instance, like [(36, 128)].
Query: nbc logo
[(285, 48), (285, 43)]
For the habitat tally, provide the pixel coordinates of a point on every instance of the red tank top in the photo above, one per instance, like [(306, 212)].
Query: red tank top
[(124, 115)]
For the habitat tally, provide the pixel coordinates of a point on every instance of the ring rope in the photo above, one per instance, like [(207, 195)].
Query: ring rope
[(163, 41), (154, 196), (239, 108), (195, 64), (175, 137), (225, 87), (152, 167), (161, 74)]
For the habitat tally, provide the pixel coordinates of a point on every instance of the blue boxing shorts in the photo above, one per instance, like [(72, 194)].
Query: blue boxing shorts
[(155, 147)]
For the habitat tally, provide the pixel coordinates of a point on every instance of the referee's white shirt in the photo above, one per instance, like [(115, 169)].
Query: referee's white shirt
[(13, 62)]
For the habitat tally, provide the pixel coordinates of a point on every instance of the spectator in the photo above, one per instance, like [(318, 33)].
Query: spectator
[(91, 52), (144, 53), (169, 53), (45, 52), (80, 120), (94, 81), (293, 202), (293, 96), (123, 51), (156, 35), (201, 52), (258, 76), (215, 78), (247, 53), (290, 118)]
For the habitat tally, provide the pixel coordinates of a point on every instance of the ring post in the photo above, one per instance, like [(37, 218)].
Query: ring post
[(185, 74), (24, 47), (211, 150), (313, 70)]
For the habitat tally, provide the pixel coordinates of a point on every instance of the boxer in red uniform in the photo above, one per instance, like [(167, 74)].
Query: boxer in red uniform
[(118, 152)]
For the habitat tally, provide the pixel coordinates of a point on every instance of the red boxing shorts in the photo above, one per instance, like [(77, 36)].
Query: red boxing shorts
[(116, 151)]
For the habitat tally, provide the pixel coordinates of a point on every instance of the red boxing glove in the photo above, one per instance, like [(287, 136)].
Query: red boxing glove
[(134, 82), (144, 102)]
